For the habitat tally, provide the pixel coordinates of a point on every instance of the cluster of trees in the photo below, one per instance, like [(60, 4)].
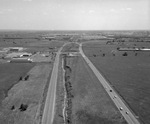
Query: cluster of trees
[(24, 78)]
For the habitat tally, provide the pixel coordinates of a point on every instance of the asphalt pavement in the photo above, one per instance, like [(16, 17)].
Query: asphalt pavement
[(49, 109)]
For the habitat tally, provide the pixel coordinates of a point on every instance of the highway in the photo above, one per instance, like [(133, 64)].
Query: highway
[(125, 111), (49, 109)]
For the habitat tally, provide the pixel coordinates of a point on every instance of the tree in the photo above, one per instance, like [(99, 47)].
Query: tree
[(125, 54), (103, 54)]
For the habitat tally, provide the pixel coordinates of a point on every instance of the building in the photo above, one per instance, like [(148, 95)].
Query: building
[(13, 49), (18, 55)]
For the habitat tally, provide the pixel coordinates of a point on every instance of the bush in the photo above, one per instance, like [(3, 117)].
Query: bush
[(26, 78), (103, 54), (23, 107), (125, 54), (118, 48), (94, 55), (20, 78)]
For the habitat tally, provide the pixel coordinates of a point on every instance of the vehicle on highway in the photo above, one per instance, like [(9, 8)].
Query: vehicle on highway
[(115, 96), (127, 113), (121, 108)]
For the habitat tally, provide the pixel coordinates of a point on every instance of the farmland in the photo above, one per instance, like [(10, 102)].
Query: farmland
[(23, 86), (128, 74), (81, 99), (90, 103), (25, 100), (10, 74)]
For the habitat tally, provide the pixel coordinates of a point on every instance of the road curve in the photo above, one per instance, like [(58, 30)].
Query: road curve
[(127, 114), (48, 113)]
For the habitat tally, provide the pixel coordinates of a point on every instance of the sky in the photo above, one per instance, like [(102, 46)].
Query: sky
[(75, 14)]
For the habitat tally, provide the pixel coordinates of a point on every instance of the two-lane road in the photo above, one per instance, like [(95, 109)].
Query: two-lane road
[(49, 109), (127, 114)]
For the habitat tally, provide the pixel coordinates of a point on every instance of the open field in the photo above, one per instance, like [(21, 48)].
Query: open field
[(23, 93), (88, 103), (129, 75), (72, 47), (24, 102), (33, 45), (80, 97), (34, 41), (10, 74)]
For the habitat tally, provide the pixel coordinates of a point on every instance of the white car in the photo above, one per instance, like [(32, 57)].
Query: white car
[(115, 96), (121, 108), (127, 113)]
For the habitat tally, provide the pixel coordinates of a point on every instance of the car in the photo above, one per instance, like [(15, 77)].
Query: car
[(115, 96), (121, 108), (127, 113)]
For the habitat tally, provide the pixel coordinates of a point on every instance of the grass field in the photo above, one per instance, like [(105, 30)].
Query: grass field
[(72, 47), (33, 41), (128, 74), (32, 45), (90, 103), (24, 103), (10, 74)]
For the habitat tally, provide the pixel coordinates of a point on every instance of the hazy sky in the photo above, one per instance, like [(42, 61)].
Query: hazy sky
[(75, 14)]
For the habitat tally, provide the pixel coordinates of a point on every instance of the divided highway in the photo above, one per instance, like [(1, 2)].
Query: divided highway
[(127, 114), (49, 109)]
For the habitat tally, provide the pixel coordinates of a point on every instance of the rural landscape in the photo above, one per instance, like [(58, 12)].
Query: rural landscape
[(74, 77)]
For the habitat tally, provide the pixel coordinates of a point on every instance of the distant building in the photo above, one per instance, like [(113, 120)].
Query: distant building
[(133, 49), (13, 49), (21, 60), (145, 49), (18, 55), (25, 55), (128, 49)]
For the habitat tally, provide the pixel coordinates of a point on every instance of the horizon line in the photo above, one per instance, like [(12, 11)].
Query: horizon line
[(74, 30)]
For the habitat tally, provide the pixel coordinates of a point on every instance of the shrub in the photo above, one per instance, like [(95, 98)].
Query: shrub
[(103, 54), (26, 78), (125, 54), (20, 78), (94, 55), (23, 107)]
